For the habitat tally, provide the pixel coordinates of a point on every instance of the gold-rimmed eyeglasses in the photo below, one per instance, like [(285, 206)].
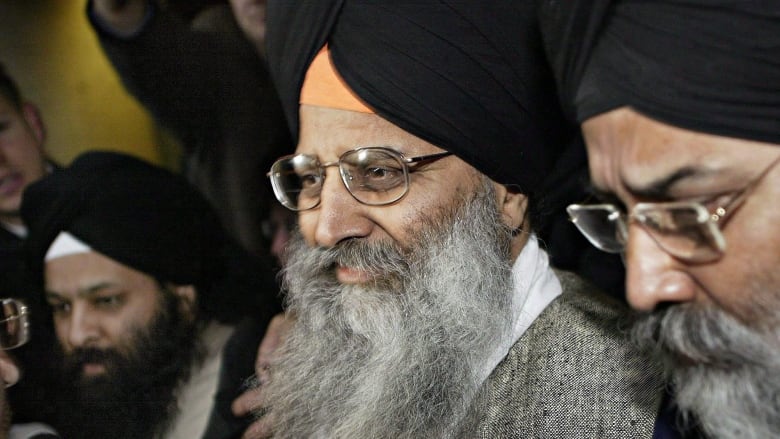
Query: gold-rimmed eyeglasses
[(375, 176), (685, 230)]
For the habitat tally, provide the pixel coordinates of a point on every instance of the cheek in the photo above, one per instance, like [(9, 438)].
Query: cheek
[(23, 152), (61, 327), (119, 333), (120, 326), (307, 223), (61, 330), (746, 279)]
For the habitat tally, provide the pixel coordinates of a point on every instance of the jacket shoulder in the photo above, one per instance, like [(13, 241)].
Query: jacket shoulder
[(574, 373)]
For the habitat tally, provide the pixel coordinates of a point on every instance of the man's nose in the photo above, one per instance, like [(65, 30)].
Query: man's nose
[(84, 328), (339, 216), (653, 276)]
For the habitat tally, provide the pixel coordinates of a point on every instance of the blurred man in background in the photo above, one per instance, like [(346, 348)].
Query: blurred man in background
[(144, 288)]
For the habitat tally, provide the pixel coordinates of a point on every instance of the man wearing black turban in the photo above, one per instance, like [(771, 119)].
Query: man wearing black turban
[(680, 107), (144, 287), (424, 304)]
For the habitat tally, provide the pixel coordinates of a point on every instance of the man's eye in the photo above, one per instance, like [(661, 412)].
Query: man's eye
[(107, 301), (60, 308), (379, 178), (381, 173), (309, 180)]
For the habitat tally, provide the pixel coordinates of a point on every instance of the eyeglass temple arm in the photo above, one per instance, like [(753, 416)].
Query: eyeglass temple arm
[(427, 158)]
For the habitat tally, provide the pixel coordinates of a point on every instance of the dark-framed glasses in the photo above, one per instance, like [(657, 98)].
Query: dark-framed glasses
[(375, 176), (685, 230), (14, 324)]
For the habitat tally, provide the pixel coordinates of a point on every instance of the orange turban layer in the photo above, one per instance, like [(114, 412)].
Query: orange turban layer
[(324, 87)]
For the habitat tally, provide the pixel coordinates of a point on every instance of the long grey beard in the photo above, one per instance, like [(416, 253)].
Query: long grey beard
[(398, 358), (725, 374)]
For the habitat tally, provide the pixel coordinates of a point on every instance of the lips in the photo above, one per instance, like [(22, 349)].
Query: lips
[(11, 184), (93, 369), (350, 275)]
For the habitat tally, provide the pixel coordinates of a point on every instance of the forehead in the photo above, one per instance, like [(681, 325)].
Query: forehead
[(328, 132), (68, 275), (627, 150)]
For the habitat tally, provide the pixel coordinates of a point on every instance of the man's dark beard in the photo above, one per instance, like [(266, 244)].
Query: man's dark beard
[(400, 357), (136, 397), (5, 414), (725, 374)]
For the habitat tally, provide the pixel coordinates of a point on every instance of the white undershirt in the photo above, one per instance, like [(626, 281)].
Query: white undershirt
[(26, 431), (535, 287), (196, 398)]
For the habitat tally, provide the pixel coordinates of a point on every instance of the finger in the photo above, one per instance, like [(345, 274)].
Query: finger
[(246, 402), (273, 334), (271, 341)]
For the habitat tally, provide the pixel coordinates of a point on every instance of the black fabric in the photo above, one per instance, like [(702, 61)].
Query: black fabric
[(12, 270), (36, 358), (570, 29), (469, 77), (567, 247), (671, 424), (704, 65), (213, 92), (146, 218)]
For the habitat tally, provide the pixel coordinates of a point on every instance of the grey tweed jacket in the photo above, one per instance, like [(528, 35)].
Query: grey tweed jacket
[(572, 375)]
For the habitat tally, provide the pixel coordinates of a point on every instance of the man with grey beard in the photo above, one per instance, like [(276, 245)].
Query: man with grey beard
[(424, 304), (680, 107), (427, 320)]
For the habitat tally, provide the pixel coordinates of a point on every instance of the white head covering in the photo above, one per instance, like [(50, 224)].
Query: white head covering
[(65, 244)]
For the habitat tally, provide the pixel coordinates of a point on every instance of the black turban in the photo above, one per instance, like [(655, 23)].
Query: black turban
[(569, 30), (705, 65), (467, 76), (146, 218)]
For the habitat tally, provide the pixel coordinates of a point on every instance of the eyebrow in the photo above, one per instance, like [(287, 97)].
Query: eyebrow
[(659, 189), (654, 190), (85, 292)]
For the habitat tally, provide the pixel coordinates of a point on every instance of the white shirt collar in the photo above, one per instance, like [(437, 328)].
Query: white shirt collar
[(17, 229), (535, 286)]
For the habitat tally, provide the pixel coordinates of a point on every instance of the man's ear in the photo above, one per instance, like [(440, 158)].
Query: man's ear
[(33, 118), (514, 206), (188, 299)]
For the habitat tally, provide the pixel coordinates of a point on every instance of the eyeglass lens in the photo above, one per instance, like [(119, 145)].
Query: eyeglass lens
[(14, 324), (681, 229), (373, 176), (297, 181), (599, 224)]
